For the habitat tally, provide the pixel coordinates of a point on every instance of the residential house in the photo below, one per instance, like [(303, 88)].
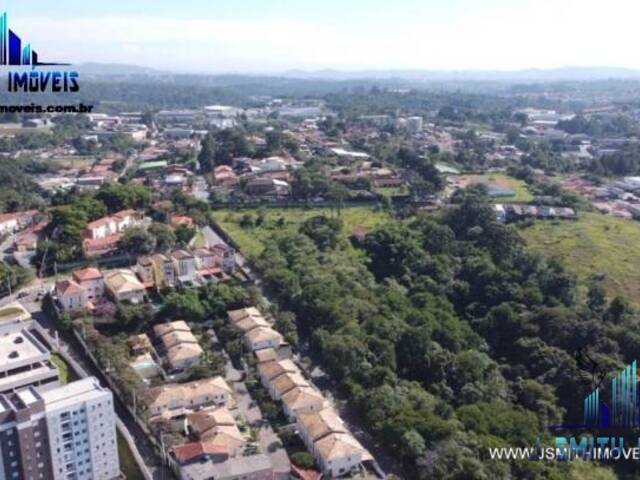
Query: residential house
[(123, 285), (285, 383), (178, 220), (70, 295), (262, 337), (312, 426), (218, 427), (224, 176), (243, 313), (146, 271), (258, 333), (269, 371), (181, 348), (96, 247), (28, 240), (177, 399), (164, 270), (267, 187), (91, 281), (339, 453), (116, 223), (12, 222), (208, 264), (226, 257), (301, 400), (336, 451), (253, 467), (205, 258), (198, 452), (8, 223), (185, 266)]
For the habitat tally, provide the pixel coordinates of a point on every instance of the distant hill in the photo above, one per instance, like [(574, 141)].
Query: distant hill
[(529, 75), (507, 76), (98, 69)]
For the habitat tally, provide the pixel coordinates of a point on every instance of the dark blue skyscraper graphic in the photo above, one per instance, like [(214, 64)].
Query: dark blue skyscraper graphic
[(12, 49), (624, 412)]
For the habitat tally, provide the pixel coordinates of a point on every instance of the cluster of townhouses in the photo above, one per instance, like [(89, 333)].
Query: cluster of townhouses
[(49, 430), (210, 438), (335, 449), (94, 289)]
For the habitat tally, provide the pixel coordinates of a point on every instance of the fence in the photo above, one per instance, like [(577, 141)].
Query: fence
[(81, 372)]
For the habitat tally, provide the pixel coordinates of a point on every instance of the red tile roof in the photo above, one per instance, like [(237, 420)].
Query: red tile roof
[(87, 274), (181, 220), (189, 451), (68, 287)]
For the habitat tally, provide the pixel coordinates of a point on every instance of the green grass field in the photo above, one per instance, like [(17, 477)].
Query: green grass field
[(594, 243), (251, 240), (522, 192)]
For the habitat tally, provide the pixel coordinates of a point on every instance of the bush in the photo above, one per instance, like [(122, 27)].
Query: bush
[(303, 460)]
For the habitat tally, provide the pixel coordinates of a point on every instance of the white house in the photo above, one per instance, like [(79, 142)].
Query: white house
[(71, 296), (91, 281), (185, 265)]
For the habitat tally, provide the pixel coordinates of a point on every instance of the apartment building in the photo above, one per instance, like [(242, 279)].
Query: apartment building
[(64, 433)]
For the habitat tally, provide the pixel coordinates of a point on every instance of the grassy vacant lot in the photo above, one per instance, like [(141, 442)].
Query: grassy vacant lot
[(504, 181), (251, 239), (17, 128), (74, 161), (594, 243)]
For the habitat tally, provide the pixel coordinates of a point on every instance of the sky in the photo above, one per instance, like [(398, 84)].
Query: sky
[(273, 36)]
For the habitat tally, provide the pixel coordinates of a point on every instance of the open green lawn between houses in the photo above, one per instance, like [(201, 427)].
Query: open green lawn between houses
[(251, 239), (521, 193), (594, 243)]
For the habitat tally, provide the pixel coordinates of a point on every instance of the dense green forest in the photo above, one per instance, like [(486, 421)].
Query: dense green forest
[(449, 336)]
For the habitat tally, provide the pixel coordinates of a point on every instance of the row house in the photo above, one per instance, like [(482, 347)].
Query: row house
[(164, 272), (336, 451), (180, 347), (217, 427), (185, 266), (258, 333), (178, 399), (284, 381)]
